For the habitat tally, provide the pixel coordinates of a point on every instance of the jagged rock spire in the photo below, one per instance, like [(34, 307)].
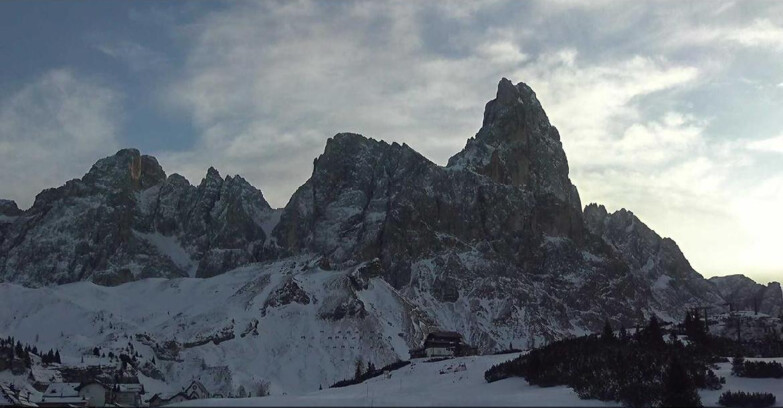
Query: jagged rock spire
[(518, 146)]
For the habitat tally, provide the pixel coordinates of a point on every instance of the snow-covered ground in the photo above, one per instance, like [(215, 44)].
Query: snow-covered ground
[(773, 385), (422, 384), (288, 323)]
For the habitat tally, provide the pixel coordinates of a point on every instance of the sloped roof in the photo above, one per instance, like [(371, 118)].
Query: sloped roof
[(198, 385), (62, 400), (130, 388), (446, 334), (86, 383), (61, 390)]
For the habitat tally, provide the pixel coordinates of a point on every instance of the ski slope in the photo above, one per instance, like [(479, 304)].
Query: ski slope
[(442, 384), (427, 384), (288, 323)]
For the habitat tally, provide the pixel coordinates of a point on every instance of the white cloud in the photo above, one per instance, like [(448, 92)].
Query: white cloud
[(268, 83), (52, 130), (136, 56), (774, 145), (760, 33), (596, 106)]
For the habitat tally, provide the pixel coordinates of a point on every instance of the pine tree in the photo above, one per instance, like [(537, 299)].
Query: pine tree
[(653, 334), (679, 389), (738, 366), (608, 333), (359, 369), (57, 357), (688, 324), (623, 334)]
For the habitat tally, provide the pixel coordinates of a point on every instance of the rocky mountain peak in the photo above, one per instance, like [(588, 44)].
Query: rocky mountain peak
[(126, 169), (745, 294), (512, 97), (350, 147), (594, 216), (212, 177), (517, 146), (9, 208)]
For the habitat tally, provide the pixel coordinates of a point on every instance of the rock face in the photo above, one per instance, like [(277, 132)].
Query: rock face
[(8, 208), (494, 245), (745, 294), (655, 260), (125, 220), (517, 146)]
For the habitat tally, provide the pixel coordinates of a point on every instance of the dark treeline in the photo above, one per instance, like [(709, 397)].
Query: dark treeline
[(638, 370), (371, 372), (768, 345), (11, 349), (756, 369), (746, 399)]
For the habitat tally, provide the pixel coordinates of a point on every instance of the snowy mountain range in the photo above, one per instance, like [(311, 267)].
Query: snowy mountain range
[(377, 248)]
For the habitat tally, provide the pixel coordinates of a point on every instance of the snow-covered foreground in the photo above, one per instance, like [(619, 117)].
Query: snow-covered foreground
[(771, 385), (422, 384), (287, 323)]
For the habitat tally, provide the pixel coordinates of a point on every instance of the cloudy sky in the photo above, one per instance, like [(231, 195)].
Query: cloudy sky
[(673, 110)]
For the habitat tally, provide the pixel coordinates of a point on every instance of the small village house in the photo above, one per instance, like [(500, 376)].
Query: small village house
[(195, 390), (95, 392), (158, 400), (128, 395), (443, 344), (62, 394)]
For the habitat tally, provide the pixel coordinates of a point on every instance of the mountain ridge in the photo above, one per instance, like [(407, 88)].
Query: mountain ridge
[(499, 231)]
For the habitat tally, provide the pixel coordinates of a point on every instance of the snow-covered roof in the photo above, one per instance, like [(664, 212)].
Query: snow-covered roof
[(63, 400), (446, 334), (130, 388), (61, 390), (6, 396), (45, 375), (86, 383), (10, 396)]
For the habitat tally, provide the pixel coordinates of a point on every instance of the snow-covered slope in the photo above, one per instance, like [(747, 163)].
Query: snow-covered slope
[(442, 383), (289, 322), (445, 383)]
